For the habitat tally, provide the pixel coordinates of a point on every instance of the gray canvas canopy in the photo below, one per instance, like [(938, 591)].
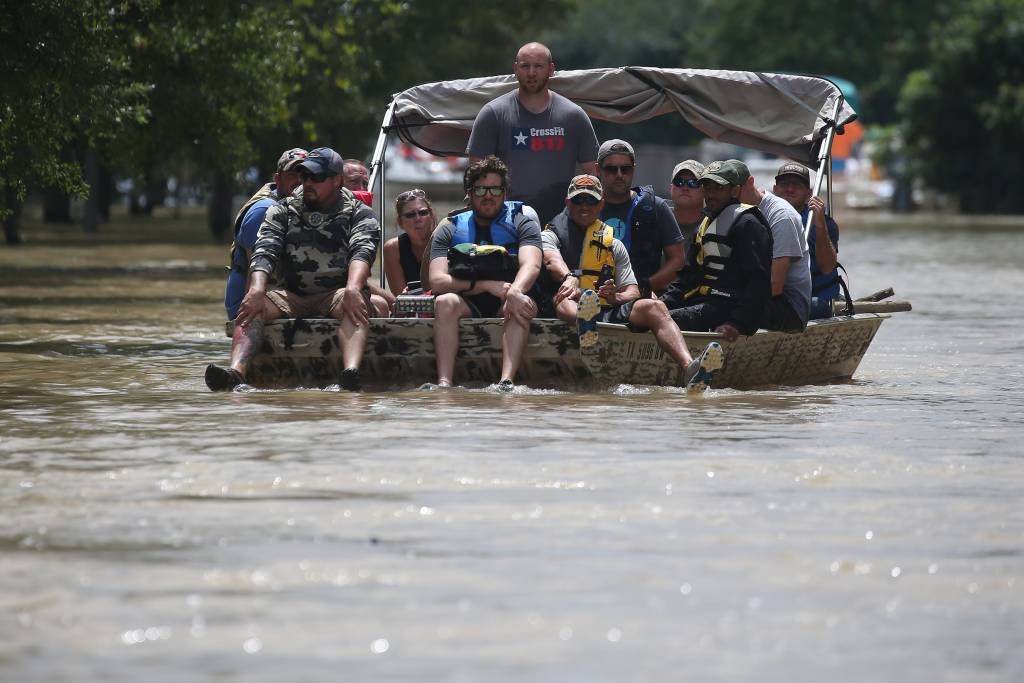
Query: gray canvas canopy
[(780, 114)]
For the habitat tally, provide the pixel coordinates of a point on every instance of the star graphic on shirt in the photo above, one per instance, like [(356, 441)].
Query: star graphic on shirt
[(520, 139)]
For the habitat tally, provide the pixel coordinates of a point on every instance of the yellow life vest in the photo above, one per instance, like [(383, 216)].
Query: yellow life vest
[(597, 253)]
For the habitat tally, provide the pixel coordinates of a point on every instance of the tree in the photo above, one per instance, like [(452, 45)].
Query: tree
[(66, 80), (964, 112)]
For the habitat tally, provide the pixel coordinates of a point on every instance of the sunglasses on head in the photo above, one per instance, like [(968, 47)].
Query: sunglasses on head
[(495, 190), (625, 169), (585, 199), (415, 193), (684, 182), (409, 215), (317, 177)]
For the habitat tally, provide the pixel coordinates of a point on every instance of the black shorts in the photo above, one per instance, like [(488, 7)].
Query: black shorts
[(702, 317), (779, 315), (618, 315), (483, 305)]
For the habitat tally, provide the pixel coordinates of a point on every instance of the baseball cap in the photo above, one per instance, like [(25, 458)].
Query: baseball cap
[(615, 146), (585, 184), (728, 172), (793, 168), (691, 165), (290, 159), (323, 160)]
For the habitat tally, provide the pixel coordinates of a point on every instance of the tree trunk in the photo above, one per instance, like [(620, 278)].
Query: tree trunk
[(56, 206), (105, 193), (219, 212), (90, 214), (12, 235)]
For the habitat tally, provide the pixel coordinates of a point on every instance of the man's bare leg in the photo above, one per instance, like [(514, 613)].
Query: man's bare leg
[(653, 314), (513, 344), (448, 310)]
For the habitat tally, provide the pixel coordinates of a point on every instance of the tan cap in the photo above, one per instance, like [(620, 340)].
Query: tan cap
[(691, 165), (585, 184)]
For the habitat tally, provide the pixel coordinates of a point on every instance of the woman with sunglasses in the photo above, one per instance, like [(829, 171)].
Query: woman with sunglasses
[(687, 198), (403, 255)]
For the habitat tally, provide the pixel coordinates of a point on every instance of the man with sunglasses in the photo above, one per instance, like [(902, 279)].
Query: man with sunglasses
[(687, 198), (248, 221), (642, 221), (539, 134), (490, 220), (725, 285), (320, 247), (579, 253)]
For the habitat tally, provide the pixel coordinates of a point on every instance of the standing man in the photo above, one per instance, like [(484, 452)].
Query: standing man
[(579, 249), (687, 198), (790, 305), (490, 220), (249, 219), (540, 135), (321, 246), (726, 283), (793, 183), (642, 221)]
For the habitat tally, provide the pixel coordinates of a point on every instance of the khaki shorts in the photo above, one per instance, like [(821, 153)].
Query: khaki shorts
[(319, 305)]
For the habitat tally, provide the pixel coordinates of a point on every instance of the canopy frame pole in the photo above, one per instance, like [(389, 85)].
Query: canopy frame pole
[(824, 166), (377, 170)]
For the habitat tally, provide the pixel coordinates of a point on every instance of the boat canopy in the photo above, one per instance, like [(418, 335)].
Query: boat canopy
[(781, 114)]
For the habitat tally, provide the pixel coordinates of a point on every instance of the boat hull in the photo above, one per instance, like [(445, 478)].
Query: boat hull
[(400, 355)]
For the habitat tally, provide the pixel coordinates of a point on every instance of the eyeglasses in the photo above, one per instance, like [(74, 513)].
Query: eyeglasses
[(684, 182), (585, 199), (409, 215), (317, 177), (625, 169), (495, 190), (415, 193)]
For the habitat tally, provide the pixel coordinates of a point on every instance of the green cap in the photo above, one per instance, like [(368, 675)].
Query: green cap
[(728, 172)]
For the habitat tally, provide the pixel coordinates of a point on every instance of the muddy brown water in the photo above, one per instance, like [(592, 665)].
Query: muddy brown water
[(867, 530)]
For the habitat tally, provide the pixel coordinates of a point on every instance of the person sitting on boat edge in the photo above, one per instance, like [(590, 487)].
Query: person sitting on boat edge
[(687, 197), (469, 282), (793, 183), (321, 245), (539, 134), (581, 257), (355, 177), (725, 285), (643, 222), (790, 304), (403, 255), (250, 217)]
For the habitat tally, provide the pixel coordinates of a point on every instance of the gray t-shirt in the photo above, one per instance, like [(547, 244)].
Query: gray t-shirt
[(541, 150), (788, 240), (623, 270)]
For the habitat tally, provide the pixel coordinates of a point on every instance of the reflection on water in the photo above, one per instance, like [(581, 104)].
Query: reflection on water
[(869, 529)]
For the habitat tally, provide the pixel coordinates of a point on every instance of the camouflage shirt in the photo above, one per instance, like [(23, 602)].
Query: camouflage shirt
[(309, 251)]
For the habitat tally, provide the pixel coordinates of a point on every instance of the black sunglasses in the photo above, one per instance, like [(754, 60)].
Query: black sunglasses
[(495, 190), (409, 215), (583, 198), (317, 177), (625, 169), (683, 182)]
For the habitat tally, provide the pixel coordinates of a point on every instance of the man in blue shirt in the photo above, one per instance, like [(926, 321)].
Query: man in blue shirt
[(793, 183), (248, 220)]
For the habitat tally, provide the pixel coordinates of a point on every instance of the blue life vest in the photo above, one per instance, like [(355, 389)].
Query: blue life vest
[(502, 230)]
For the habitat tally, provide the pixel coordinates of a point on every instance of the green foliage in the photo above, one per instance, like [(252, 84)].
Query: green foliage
[(66, 80), (964, 112)]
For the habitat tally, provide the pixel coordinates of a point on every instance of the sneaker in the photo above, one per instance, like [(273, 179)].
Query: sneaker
[(506, 386), (349, 379), (222, 379), (587, 310), (700, 373)]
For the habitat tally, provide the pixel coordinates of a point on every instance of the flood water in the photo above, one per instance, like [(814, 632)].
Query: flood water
[(151, 530)]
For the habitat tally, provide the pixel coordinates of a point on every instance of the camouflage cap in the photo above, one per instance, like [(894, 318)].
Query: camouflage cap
[(793, 168), (691, 165), (728, 172), (323, 160), (290, 159), (585, 184)]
